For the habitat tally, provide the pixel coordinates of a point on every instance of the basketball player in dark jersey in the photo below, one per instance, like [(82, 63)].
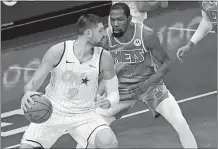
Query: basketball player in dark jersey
[(208, 23), (133, 47)]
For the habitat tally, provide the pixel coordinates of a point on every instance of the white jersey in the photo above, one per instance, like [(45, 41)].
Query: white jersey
[(137, 17), (73, 86)]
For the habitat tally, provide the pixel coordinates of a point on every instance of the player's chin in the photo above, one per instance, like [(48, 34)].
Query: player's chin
[(117, 33), (101, 43)]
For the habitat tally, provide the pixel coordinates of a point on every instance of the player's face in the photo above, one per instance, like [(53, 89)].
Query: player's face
[(98, 34), (119, 22)]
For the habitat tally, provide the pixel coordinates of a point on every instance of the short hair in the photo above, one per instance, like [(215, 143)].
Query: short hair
[(87, 21), (122, 6)]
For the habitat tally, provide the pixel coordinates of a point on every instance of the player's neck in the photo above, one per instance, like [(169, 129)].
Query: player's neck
[(82, 48), (128, 34)]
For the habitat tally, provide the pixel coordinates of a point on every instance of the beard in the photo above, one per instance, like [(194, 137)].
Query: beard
[(97, 43), (118, 34)]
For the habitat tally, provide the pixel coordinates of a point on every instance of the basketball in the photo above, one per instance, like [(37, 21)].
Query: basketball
[(40, 111)]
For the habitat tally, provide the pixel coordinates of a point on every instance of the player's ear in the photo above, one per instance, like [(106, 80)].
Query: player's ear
[(129, 18), (88, 33)]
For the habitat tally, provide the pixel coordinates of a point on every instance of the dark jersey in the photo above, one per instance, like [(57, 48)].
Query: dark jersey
[(133, 61)]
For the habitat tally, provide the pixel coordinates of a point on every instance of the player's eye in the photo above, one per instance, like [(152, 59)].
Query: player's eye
[(120, 19), (112, 19)]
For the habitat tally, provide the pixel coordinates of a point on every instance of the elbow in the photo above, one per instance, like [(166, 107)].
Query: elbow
[(166, 70), (167, 66), (168, 61)]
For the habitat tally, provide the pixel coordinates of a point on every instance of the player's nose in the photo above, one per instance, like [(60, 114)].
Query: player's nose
[(116, 23)]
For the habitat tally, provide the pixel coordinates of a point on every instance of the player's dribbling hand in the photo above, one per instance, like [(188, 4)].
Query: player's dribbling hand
[(102, 102), (182, 51), (27, 98)]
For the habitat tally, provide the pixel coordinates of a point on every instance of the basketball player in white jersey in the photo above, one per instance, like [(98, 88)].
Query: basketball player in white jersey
[(75, 67), (133, 47), (208, 23), (139, 9)]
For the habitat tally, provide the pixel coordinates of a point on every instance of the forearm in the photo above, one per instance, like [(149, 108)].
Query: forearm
[(31, 86), (158, 76), (101, 88), (34, 84), (112, 90), (202, 30)]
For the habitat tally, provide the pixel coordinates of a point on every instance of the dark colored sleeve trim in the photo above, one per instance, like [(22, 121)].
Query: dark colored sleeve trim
[(100, 62), (61, 55)]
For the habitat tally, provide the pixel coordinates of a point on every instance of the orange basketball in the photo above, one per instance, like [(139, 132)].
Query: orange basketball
[(40, 111)]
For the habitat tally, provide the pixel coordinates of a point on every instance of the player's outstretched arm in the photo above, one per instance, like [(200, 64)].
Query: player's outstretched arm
[(203, 29), (110, 79), (49, 60)]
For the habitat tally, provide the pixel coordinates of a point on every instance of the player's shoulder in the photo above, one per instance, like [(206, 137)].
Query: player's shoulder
[(149, 36), (55, 52), (106, 58), (106, 54), (147, 29), (98, 50), (147, 32), (57, 48)]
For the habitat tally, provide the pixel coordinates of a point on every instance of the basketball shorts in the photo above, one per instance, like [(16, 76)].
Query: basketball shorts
[(152, 97), (82, 127)]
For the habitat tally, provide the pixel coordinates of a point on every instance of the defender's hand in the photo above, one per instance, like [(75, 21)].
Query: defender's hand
[(102, 102), (128, 89), (134, 88)]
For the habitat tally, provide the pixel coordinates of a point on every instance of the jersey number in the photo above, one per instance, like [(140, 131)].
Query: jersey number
[(72, 92), (128, 70), (213, 15)]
